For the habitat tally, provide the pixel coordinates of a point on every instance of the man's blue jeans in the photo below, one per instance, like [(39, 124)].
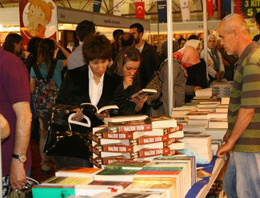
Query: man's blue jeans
[(242, 177)]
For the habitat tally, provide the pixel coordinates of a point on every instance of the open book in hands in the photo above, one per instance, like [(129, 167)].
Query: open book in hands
[(89, 108), (144, 92)]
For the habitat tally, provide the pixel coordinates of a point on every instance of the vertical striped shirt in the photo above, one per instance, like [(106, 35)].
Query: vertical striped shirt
[(246, 94)]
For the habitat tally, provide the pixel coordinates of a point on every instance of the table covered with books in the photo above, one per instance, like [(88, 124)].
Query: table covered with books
[(167, 157)]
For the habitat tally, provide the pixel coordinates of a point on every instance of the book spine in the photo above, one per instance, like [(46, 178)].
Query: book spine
[(112, 135), (118, 148), (152, 139), (173, 129), (174, 152), (130, 128), (171, 141), (153, 152)]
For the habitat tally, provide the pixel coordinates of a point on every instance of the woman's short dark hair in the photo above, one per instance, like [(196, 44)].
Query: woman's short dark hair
[(96, 47), (10, 40)]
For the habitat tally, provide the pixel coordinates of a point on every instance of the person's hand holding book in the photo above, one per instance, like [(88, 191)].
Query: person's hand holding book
[(139, 101)]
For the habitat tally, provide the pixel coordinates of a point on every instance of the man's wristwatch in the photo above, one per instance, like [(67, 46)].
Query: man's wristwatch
[(21, 158)]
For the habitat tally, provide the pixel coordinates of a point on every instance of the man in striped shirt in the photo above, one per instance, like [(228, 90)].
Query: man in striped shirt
[(242, 177)]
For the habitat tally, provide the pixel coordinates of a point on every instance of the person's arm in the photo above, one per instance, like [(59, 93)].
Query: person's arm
[(32, 85), (22, 138), (243, 119), (63, 50), (4, 127)]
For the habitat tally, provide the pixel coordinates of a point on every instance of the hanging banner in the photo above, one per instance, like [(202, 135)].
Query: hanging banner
[(38, 18), (247, 8), (162, 11), (225, 8), (139, 10), (117, 7), (97, 5), (210, 8), (191, 8), (185, 12)]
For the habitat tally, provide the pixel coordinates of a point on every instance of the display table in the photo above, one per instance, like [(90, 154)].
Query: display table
[(201, 188)]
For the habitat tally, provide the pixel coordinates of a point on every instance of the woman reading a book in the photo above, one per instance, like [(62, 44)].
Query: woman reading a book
[(91, 83), (88, 84), (126, 65)]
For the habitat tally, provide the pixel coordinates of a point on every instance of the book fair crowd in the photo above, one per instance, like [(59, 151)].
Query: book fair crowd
[(95, 71)]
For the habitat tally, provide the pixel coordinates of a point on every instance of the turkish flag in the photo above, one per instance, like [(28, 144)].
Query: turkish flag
[(210, 8), (139, 10)]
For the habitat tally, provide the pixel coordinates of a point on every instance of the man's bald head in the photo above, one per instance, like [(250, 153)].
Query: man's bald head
[(234, 22), (234, 34), (190, 55)]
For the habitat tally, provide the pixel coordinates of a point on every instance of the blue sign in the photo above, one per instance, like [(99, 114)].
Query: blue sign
[(96, 5), (162, 11)]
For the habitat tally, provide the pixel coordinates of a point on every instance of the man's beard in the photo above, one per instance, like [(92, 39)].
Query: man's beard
[(137, 40)]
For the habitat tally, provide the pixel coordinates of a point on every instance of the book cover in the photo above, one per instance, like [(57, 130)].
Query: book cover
[(163, 122), (77, 172), (130, 126), (144, 92), (67, 180), (116, 119), (40, 191)]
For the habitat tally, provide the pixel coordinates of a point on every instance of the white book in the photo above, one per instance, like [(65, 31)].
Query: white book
[(144, 92), (203, 122), (93, 108), (217, 115), (218, 123), (203, 92), (125, 118)]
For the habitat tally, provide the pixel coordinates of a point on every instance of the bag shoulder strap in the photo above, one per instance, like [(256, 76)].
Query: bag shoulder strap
[(50, 73), (37, 71), (51, 70), (162, 63)]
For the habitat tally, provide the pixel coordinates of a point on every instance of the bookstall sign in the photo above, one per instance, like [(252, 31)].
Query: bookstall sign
[(38, 18), (247, 8)]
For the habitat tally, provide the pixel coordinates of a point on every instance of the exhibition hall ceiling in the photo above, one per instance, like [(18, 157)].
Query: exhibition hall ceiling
[(128, 7)]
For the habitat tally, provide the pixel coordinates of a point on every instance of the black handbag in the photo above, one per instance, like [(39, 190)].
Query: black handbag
[(65, 136)]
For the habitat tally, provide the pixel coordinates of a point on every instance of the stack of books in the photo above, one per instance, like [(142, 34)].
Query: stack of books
[(136, 140), (221, 90), (200, 146), (175, 175)]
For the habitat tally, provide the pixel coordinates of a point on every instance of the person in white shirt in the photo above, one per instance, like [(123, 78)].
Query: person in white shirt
[(216, 67)]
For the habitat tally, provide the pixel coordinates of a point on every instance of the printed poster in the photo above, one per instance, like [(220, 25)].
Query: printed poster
[(38, 18)]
